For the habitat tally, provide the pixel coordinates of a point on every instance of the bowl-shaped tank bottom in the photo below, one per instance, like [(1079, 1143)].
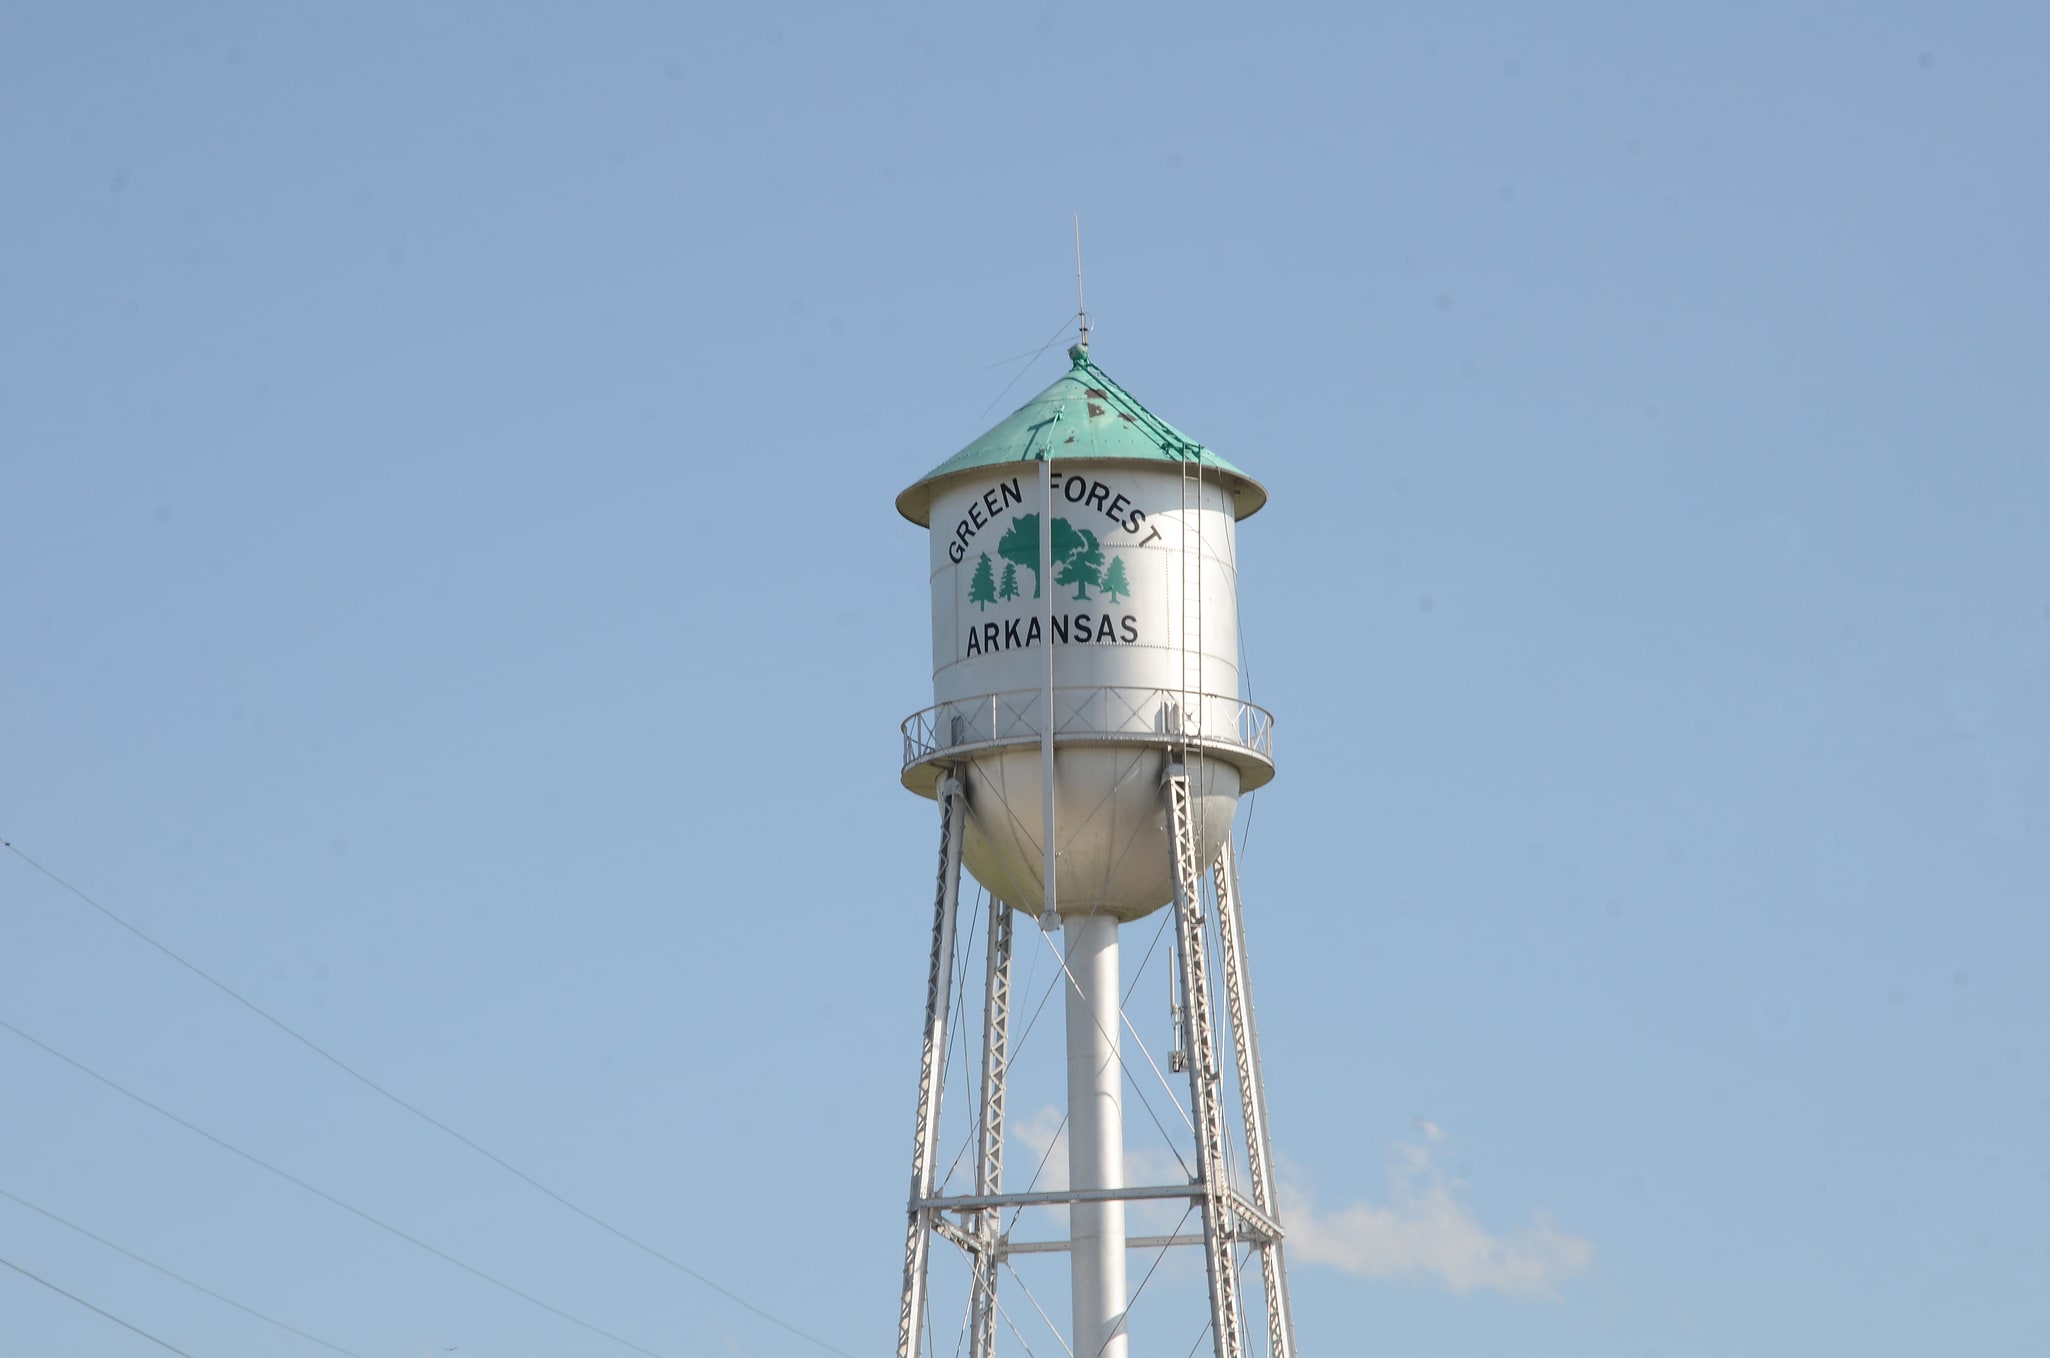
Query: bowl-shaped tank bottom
[(1112, 847)]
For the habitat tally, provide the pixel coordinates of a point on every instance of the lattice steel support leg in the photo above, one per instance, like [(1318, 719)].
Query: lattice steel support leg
[(938, 984), (989, 1132), (1206, 1092), (1245, 1040)]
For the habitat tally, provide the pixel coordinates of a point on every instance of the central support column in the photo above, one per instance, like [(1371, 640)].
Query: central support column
[(1096, 1136)]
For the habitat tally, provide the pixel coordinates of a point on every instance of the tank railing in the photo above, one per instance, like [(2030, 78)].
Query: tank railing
[(1114, 713)]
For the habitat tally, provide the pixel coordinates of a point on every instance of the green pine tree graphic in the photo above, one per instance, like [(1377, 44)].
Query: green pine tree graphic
[(1009, 588), (982, 590), (1114, 582)]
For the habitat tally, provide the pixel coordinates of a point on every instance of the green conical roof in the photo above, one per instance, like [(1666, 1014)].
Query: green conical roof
[(1083, 416)]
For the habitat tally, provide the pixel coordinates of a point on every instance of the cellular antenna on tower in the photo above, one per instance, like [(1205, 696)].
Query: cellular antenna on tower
[(1088, 746)]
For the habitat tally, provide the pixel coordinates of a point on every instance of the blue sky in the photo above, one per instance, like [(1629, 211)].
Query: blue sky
[(452, 594)]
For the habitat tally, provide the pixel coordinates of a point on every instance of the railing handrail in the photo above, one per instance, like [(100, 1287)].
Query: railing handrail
[(1126, 712)]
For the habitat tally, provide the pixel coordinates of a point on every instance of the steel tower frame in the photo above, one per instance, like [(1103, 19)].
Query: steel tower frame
[(1230, 1217)]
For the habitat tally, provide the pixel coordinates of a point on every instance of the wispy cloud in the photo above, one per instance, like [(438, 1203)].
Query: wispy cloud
[(1043, 1132), (1428, 1233), (1044, 1139)]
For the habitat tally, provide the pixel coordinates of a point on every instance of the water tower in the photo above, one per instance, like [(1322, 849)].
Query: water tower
[(1087, 747)]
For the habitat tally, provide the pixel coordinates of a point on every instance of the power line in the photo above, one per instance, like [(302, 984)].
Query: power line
[(160, 1343), (325, 1196), (425, 1116), (175, 1277)]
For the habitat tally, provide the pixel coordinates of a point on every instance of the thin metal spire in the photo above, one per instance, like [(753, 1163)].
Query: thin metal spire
[(1081, 306)]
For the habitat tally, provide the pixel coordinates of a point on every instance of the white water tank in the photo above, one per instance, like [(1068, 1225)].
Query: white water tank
[(1139, 601)]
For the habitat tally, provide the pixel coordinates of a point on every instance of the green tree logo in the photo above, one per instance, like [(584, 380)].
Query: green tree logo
[(1020, 546), (982, 590), (1076, 554), (1084, 565), (1009, 588), (1114, 582), (1065, 541)]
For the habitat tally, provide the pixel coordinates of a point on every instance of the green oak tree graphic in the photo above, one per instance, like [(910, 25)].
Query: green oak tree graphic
[(1076, 555), (1009, 588), (982, 590), (1084, 566), (1065, 541), (1020, 546), (1114, 582)]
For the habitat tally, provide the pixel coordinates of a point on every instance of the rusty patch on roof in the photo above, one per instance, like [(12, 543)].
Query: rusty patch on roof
[(1098, 392), (1126, 417), (1095, 410), (1069, 439)]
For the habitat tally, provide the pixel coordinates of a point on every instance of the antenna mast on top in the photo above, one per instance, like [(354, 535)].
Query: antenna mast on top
[(1081, 306)]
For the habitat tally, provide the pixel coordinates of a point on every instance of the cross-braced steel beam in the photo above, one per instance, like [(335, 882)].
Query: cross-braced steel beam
[(938, 985), (1206, 1091), (1237, 1219), (989, 1171), (1245, 1041)]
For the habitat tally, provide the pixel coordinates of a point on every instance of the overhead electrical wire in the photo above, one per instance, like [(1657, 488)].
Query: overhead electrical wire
[(178, 1277), (73, 1296), (469, 1143), (339, 1064), (328, 1197), (1183, 451)]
